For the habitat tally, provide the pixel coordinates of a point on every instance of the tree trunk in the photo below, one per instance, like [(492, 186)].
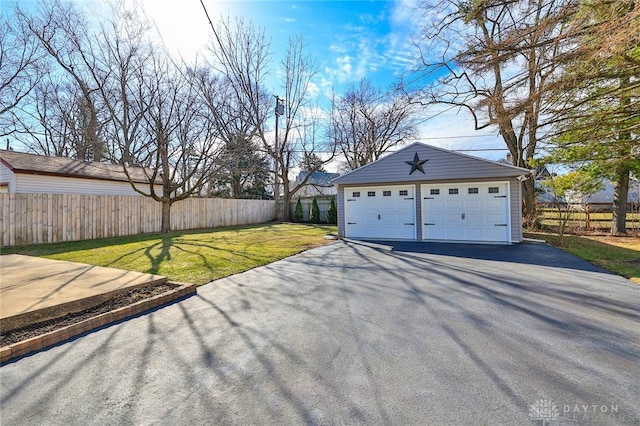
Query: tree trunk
[(620, 194), (166, 216), (286, 201), (622, 172), (529, 210), (236, 187)]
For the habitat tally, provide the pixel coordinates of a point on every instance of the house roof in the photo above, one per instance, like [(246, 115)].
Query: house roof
[(438, 164), (21, 162), (317, 178), (539, 172)]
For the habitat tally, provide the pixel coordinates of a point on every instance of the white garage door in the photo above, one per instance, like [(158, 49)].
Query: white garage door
[(466, 212), (380, 212)]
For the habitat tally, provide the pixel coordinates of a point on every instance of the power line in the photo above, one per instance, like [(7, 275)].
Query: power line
[(452, 137)]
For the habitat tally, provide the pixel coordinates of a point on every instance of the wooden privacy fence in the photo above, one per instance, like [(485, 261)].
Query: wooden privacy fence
[(49, 218), (324, 202)]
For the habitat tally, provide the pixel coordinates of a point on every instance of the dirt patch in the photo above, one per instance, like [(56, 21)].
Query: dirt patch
[(123, 299)]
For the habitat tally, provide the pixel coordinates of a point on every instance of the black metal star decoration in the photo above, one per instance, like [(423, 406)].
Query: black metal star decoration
[(416, 164)]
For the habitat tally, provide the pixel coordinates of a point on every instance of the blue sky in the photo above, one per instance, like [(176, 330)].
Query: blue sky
[(349, 39)]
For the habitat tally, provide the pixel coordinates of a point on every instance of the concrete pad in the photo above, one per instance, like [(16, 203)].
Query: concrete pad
[(35, 289)]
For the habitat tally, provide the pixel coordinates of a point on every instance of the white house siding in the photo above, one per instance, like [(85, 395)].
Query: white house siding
[(42, 184), (7, 179)]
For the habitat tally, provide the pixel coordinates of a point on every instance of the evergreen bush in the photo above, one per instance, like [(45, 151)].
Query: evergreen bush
[(297, 214), (314, 215), (332, 213)]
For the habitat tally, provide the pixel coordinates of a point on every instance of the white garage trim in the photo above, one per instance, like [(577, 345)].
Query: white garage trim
[(380, 212), (467, 211)]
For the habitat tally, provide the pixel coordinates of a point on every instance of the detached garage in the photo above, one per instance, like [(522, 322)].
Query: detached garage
[(426, 193)]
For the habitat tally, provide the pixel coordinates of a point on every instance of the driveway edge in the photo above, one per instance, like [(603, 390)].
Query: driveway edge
[(44, 341)]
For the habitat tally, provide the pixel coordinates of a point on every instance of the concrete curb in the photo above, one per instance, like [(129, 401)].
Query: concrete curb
[(44, 341)]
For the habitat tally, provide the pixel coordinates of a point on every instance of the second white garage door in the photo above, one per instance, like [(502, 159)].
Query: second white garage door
[(380, 212), (466, 212)]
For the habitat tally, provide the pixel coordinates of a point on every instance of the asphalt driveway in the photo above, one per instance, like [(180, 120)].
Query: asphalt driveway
[(359, 333)]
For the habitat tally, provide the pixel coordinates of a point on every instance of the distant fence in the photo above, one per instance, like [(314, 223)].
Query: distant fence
[(49, 218), (587, 217), (324, 202)]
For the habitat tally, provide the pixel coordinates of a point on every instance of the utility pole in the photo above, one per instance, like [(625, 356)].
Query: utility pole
[(276, 183)]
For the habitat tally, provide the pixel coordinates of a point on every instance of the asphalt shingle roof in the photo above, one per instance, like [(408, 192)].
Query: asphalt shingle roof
[(20, 162)]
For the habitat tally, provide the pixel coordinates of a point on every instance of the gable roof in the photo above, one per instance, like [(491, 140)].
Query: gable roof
[(539, 172), (317, 178), (441, 165), (21, 162)]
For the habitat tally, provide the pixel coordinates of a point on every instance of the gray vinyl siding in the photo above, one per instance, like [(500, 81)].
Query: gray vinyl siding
[(515, 207), (340, 207), (442, 165), (42, 184), (419, 220)]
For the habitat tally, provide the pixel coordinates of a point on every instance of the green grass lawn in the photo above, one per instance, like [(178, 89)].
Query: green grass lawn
[(195, 257), (620, 255)]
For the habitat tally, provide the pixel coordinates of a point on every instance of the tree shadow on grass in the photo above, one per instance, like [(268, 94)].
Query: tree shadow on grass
[(66, 246), (166, 243)]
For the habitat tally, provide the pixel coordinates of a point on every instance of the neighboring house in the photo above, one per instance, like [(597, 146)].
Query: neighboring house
[(424, 193), (30, 173), (605, 195), (540, 173), (319, 183)]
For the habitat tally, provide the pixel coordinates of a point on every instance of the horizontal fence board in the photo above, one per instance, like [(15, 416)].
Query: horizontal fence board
[(593, 216), (50, 218)]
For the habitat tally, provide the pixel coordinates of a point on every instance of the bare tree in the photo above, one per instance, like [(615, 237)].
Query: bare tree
[(21, 68), (494, 59), (243, 170), (177, 144), (241, 53), (111, 81), (366, 122), (63, 32)]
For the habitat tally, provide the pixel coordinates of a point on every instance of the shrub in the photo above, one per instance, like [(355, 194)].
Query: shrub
[(297, 214), (332, 213), (314, 215)]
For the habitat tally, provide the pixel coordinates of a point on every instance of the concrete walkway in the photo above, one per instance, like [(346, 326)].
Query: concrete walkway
[(356, 333), (35, 289)]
